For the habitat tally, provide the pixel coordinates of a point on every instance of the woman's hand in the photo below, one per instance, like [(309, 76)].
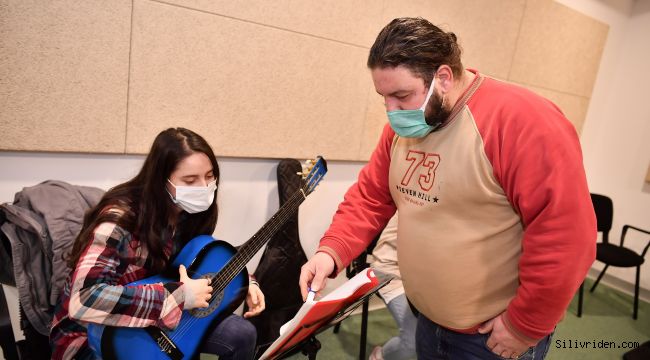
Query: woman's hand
[(197, 292), (254, 300)]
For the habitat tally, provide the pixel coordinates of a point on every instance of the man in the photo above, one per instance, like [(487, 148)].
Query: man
[(492, 198)]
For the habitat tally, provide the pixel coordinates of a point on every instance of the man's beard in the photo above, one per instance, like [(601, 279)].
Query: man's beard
[(435, 113)]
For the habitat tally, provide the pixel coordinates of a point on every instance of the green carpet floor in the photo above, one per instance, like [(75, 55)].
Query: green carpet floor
[(606, 320)]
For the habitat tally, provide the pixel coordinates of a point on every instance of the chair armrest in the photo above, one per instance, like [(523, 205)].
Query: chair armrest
[(624, 232), (625, 227)]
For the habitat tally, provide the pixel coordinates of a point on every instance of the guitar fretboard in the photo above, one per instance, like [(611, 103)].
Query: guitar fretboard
[(255, 243)]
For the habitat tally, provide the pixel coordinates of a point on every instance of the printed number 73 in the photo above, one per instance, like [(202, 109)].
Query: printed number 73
[(428, 161)]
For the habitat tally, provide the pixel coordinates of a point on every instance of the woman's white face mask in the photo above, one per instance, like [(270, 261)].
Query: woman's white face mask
[(194, 199)]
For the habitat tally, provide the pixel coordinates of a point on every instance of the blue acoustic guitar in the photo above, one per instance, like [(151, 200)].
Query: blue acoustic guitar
[(204, 257)]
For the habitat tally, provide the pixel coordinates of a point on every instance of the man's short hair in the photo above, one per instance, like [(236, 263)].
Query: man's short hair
[(416, 44)]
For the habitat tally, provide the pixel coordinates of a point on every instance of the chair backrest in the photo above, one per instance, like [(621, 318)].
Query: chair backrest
[(604, 209), (360, 263)]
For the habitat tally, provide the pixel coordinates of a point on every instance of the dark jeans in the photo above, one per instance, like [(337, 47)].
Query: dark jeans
[(433, 341), (233, 339)]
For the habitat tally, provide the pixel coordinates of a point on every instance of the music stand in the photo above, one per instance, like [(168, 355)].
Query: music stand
[(316, 317)]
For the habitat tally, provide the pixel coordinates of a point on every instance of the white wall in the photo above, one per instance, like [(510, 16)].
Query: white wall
[(616, 133), (247, 194)]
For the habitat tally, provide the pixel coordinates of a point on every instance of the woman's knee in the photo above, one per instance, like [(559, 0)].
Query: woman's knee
[(241, 333)]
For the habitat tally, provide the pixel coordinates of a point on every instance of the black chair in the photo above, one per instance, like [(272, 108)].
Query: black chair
[(611, 254)]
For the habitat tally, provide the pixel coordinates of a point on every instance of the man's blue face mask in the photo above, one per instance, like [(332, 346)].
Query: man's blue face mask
[(411, 123)]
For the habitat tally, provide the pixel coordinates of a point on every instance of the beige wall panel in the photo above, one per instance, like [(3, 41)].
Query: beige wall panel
[(558, 48), (574, 107), (487, 30), (346, 21), (251, 90), (63, 75), (375, 121)]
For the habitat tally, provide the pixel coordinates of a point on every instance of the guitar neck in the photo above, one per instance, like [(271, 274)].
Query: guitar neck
[(255, 243)]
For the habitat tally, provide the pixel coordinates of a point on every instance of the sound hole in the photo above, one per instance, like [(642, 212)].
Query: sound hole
[(214, 304)]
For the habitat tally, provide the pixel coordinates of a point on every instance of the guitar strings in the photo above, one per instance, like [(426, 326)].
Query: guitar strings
[(229, 270), (250, 250)]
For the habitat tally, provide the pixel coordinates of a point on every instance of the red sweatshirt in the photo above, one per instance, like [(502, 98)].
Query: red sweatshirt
[(494, 212)]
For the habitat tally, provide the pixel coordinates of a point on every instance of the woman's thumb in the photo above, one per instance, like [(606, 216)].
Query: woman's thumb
[(183, 272)]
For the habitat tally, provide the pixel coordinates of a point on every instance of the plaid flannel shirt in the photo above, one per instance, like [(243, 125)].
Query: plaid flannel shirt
[(97, 292)]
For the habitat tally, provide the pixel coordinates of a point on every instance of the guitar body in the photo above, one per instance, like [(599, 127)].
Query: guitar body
[(203, 256)]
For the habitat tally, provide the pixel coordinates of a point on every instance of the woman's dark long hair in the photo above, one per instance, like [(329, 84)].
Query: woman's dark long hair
[(143, 204)]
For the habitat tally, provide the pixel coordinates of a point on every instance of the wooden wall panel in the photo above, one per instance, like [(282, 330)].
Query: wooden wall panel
[(63, 75)]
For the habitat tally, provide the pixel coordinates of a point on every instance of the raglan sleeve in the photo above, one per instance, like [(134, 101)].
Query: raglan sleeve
[(537, 158), (98, 297)]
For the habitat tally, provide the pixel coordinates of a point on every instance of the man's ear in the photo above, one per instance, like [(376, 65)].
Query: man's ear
[(444, 78)]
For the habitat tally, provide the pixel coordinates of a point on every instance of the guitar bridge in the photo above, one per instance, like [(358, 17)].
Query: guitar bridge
[(165, 344)]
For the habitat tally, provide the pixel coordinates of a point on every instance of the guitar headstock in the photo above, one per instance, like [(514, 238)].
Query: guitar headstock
[(313, 171)]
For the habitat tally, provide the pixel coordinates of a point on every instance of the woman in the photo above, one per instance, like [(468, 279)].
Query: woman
[(133, 233)]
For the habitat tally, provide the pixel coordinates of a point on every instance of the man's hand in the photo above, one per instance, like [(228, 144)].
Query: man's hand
[(254, 301), (501, 341), (313, 275)]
